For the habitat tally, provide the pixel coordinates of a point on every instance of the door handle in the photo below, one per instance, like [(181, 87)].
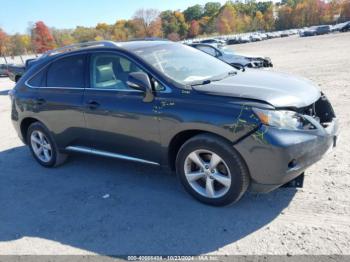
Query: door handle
[(93, 104), (39, 101)]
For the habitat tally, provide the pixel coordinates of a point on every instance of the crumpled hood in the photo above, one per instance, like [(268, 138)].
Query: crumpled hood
[(277, 89)]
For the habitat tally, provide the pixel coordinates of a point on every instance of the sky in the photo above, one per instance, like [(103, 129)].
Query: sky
[(15, 15)]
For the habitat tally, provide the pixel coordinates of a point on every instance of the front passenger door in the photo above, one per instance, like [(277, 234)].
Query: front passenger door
[(118, 119)]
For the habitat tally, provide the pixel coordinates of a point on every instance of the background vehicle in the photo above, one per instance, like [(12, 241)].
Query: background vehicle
[(15, 72), (3, 70), (221, 129), (323, 29), (215, 41), (229, 56)]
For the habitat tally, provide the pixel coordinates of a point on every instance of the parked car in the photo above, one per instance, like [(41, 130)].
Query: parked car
[(244, 39), (323, 29), (164, 103), (255, 37), (233, 41), (342, 27), (236, 60), (311, 31), (215, 41), (3, 70), (15, 72), (285, 33), (345, 27)]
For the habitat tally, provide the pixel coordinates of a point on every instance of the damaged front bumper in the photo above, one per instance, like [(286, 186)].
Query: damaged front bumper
[(275, 157)]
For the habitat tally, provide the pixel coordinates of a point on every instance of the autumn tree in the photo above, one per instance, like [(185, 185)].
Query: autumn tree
[(41, 37), (4, 39), (345, 10), (19, 44), (63, 37), (147, 23), (227, 19), (84, 34), (194, 29), (174, 37), (121, 31), (174, 22), (258, 21)]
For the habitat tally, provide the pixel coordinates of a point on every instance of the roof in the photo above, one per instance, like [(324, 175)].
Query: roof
[(130, 45)]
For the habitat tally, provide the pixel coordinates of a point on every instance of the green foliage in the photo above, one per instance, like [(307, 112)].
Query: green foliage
[(193, 13)]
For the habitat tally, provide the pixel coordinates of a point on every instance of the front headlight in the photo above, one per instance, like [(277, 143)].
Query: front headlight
[(280, 118)]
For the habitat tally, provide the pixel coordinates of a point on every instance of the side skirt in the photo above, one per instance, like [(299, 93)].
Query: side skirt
[(92, 151)]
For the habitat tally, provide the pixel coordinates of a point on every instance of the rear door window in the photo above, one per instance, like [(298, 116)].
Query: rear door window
[(67, 72)]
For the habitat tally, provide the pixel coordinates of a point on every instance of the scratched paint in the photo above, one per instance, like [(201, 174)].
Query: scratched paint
[(259, 135)]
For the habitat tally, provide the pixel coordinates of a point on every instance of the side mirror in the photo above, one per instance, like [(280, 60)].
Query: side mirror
[(141, 81)]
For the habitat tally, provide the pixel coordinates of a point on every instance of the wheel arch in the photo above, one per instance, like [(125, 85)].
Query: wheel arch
[(181, 137), (25, 123)]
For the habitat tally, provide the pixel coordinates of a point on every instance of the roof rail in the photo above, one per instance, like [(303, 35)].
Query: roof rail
[(79, 46)]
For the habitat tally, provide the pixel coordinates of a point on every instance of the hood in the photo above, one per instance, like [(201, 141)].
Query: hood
[(277, 89)]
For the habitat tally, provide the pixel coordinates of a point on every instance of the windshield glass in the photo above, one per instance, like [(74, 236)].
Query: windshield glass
[(183, 64), (227, 50)]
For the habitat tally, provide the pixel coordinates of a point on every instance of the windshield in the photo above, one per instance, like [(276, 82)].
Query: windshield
[(227, 50), (183, 64)]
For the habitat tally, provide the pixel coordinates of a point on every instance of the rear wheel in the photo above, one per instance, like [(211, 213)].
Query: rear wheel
[(211, 170), (43, 147)]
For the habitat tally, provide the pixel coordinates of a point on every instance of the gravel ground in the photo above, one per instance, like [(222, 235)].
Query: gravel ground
[(102, 206)]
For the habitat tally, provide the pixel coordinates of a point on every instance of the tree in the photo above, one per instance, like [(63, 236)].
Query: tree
[(120, 31), (194, 29), (84, 34), (173, 37), (193, 13), (345, 10), (227, 19), (258, 21), (42, 39), (63, 37), (211, 9), (19, 44), (174, 22), (4, 39), (147, 23), (104, 31)]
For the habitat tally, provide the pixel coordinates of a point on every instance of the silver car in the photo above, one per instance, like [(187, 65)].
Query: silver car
[(236, 60)]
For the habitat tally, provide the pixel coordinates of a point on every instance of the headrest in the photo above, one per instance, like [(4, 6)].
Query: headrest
[(105, 73)]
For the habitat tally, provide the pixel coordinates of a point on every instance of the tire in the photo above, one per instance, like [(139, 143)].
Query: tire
[(56, 157), (232, 167)]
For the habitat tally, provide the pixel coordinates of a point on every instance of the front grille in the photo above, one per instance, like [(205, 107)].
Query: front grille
[(321, 110)]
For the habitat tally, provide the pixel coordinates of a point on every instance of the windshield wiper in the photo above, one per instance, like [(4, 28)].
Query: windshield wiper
[(200, 83), (214, 79)]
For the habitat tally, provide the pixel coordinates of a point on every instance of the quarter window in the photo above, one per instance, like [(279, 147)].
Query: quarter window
[(67, 72), (110, 71), (38, 80)]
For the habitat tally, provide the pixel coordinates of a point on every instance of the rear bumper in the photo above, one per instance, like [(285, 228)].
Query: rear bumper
[(275, 157)]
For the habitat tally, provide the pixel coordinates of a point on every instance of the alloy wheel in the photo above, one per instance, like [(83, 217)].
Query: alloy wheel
[(207, 173), (41, 146)]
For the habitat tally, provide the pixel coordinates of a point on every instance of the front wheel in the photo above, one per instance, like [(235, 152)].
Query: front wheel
[(211, 170)]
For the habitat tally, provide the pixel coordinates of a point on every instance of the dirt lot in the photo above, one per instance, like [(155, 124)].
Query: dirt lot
[(62, 211)]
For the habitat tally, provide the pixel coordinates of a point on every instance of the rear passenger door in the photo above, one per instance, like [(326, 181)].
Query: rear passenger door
[(59, 99), (118, 119)]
